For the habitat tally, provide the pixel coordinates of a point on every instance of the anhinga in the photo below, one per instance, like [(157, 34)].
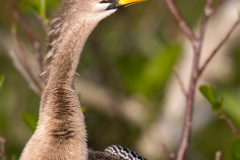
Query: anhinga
[(61, 131)]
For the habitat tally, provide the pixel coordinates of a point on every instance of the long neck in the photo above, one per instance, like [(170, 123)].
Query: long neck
[(66, 48), (61, 127), (61, 110)]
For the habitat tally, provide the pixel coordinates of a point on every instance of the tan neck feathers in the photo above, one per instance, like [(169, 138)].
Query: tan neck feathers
[(61, 131)]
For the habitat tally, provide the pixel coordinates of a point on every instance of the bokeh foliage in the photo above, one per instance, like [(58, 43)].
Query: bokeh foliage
[(132, 52)]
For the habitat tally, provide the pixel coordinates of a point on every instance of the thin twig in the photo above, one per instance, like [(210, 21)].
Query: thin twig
[(197, 43), (25, 58), (24, 73), (197, 46), (190, 97), (2, 148), (181, 22), (167, 151), (230, 123), (32, 37), (207, 14), (189, 109), (217, 48), (179, 79), (218, 155)]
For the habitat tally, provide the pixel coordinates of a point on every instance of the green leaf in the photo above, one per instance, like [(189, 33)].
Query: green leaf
[(30, 120), (33, 5), (1, 80), (42, 8), (210, 95), (42, 11), (217, 106), (231, 104), (38, 7), (153, 76), (235, 149)]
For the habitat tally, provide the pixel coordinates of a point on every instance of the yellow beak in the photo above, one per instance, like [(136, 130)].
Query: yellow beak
[(120, 3), (129, 2)]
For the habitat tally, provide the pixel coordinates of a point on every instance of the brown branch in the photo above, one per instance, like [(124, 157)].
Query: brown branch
[(197, 43), (197, 46), (200, 71), (25, 58), (24, 73), (189, 109), (191, 94), (181, 22), (218, 155), (207, 14), (32, 37), (2, 148), (168, 152), (231, 125), (179, 79)]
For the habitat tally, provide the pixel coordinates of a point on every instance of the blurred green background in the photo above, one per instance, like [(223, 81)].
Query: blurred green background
[(129, 56)]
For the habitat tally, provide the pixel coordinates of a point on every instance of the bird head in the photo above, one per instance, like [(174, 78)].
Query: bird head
[(94, 9), (115, 4), (107, 7)]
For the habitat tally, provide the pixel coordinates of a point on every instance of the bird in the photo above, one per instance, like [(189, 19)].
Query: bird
[(61, 131), (115, 152), (123, 152)]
